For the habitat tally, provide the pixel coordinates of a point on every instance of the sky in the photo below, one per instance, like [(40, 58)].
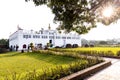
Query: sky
[(28, 16)]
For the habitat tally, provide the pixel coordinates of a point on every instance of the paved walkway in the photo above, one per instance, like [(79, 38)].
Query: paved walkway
[(110, 73)]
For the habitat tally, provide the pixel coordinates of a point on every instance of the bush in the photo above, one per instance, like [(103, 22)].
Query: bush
[(89, 53), (68, 46), (57, 47), (3, 50), (22, 51), (118, 53), (51, 45), (86, 45), (58, 72), (75, 46), (46, 48), (91, 45)]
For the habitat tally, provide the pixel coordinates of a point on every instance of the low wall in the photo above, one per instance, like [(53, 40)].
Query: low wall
[(86, 72), (116, 57)]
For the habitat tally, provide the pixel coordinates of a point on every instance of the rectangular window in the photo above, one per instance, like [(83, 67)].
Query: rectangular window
[(68, 37), (26, 36), (23, 36), (33, 36), (38, 36), (29, 36), (45, 37), (42, 37), (41, 32), (57, 37), (51, 37), (73, 37), (63, 37), (77, 37)]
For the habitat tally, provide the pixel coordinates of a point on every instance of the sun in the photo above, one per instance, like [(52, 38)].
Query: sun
[(107, 11)]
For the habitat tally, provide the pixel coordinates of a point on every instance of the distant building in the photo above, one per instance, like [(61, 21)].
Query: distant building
[(22, 38)]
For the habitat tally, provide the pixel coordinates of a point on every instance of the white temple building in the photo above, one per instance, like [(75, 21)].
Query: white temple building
[(42, 37)]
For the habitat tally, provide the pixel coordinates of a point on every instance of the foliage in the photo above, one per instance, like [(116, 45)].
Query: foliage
[(20, 63), (4, 43), (60, 64), (103, 42), (73, 15), (3, 50), (80, 15), (57, 47), (86, 45), (118, 53), (75, 46), (32, 46), (116, 11), (68, 46), (48, 44), (91, 45), (99, 51)]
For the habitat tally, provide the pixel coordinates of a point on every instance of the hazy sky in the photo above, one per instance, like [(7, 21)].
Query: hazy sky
[(103, 32), (27, 16)]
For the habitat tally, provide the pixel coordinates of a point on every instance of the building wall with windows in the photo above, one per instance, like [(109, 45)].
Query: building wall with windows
[(42, 37)]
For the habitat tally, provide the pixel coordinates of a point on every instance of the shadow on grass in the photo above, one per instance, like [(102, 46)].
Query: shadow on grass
[(47, 58), (10, 54), (53, 59)]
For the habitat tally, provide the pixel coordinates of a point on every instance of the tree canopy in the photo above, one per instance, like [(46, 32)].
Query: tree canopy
[(77, 15), (4, 43), (107, 4)]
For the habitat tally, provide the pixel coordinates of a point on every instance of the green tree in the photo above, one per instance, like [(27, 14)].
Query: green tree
[(32, 46), (76, 15), (4, 42), (103, 42)]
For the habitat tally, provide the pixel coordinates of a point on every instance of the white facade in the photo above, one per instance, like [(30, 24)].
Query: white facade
[(21, 37)]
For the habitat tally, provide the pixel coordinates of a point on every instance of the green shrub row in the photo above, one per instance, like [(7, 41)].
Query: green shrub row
[(73, 54), (89, 53), (59, 71)]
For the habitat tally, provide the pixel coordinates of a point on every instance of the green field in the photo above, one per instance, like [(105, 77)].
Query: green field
[(23, 62), (113, 49)]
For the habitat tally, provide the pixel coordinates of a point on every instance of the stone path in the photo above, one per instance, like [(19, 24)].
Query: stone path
[(110, 73)]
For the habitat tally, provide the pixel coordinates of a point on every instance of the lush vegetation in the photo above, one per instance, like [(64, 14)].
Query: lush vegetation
[(101, 51), (4, 42), (74, 15), (4, 45), (17, 62), (42, 65)]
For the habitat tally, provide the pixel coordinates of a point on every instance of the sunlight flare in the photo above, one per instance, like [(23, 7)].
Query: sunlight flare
[(107, 11)]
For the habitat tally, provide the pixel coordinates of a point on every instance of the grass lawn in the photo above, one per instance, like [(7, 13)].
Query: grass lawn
[(23, 62), (113, 49)]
